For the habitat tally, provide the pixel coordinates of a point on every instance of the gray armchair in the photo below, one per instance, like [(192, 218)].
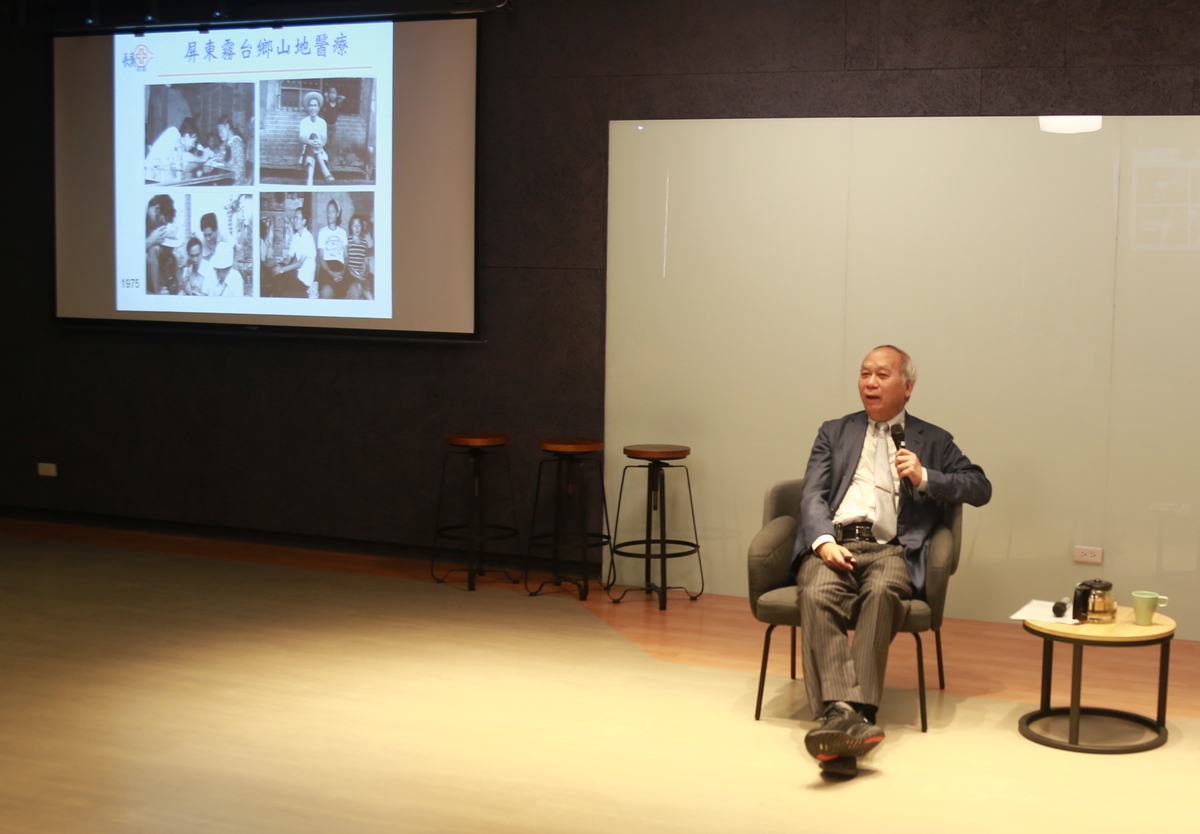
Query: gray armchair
[(773, 591)]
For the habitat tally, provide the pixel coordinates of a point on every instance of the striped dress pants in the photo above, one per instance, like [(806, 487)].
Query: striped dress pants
[(867, 600)]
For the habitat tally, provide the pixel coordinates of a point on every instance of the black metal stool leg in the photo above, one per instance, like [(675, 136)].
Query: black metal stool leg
[(651, 494), (533, 537), (570, 540), (699, 561), (437, 523), (476, 545), (476, 533), (660, 485)]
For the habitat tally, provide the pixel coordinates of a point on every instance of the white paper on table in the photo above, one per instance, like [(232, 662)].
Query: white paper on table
[(1042, 611)]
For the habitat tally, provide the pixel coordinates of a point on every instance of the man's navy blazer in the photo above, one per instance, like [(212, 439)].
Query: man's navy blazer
[(953, 479)]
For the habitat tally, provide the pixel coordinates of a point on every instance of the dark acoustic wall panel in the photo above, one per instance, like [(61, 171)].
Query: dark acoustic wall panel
[(344, 438)]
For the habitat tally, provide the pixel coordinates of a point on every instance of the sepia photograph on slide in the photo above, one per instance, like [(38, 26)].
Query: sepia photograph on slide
[(199, 134), (200, 244), (318, 131), (317, 244)]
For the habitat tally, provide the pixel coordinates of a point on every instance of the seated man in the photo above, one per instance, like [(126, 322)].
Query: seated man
[(295, 274), (225, 282), (867, 513), (314, 140)]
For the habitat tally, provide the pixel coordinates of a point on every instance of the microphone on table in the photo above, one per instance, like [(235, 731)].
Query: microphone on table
[(898, 438)]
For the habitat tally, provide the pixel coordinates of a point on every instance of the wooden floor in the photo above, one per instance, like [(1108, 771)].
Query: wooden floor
[(168, 683), (996, 660)]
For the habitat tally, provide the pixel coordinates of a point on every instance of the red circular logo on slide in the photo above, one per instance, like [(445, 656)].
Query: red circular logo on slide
[(142, 56)]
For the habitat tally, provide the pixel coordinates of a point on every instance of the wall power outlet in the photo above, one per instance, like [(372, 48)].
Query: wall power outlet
[(1089, 555)]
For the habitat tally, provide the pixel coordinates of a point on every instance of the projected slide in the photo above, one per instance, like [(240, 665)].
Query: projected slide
[(253, 171)]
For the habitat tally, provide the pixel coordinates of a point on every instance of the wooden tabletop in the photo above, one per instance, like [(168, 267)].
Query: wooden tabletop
[(657, 451), (572, 445), (219, 174), (476, 439), (1124, 630)]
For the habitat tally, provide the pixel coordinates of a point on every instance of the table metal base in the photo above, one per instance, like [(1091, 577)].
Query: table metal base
[(1078, 637), (1025, 725)]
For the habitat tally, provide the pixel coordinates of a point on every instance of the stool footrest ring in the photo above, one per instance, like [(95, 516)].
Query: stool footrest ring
[(476, 533), (654, 589), (622, 548)]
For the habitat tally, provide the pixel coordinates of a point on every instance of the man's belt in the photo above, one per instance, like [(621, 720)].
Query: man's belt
[(858, 531)]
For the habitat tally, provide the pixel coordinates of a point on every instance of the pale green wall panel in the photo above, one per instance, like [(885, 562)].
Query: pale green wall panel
[(1046, 286)]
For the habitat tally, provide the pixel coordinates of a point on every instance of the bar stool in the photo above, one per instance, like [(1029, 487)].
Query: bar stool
[(657, 547), (571, 458), (474, 534)]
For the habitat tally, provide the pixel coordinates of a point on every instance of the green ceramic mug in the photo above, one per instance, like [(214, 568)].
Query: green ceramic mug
[(1145, 603)]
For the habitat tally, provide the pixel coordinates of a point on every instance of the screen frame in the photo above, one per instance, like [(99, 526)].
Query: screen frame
[(328, 327)]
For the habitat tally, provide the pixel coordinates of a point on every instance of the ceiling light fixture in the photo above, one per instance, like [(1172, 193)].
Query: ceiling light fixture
[(1070, 124)]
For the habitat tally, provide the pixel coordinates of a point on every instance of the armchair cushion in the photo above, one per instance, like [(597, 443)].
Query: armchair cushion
[(770, 562), (779, 607), (917, 616)]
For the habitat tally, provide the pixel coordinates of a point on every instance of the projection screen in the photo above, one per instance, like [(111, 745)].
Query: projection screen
[(316, 177)]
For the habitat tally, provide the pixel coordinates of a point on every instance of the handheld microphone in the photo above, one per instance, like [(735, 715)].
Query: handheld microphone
[(898, 438)]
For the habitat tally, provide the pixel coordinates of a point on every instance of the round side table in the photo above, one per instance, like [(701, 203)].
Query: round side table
[(1123, 632)]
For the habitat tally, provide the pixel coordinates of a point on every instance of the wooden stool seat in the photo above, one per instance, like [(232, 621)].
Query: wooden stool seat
[(476, 439), (657, 451), (571, 445)]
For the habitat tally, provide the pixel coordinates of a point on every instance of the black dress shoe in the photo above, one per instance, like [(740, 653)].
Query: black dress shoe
[(843, 732), (841, 767)]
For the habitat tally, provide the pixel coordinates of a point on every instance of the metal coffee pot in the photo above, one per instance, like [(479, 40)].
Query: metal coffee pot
[(1094, 602)]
